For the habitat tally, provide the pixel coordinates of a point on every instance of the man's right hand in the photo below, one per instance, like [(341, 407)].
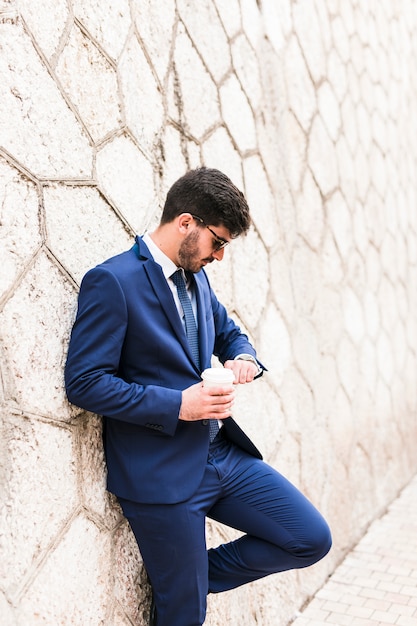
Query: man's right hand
[(199, 402)]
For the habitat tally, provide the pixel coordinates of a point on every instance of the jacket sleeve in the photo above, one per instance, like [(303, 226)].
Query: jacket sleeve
[(91, 373)]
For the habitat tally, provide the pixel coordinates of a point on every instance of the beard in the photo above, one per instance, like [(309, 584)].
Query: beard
[(189, 253)]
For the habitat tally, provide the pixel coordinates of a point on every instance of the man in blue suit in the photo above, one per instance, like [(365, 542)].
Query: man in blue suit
[(148, 324)]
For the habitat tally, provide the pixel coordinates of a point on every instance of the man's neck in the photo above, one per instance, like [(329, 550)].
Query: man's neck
[(164, 239)]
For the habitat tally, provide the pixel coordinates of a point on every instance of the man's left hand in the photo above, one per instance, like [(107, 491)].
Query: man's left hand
[(244, 371)]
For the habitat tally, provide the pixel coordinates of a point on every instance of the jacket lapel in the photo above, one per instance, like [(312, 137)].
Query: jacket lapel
[(164, 294)]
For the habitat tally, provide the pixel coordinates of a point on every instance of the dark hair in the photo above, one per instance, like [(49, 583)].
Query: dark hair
[(211, 195)]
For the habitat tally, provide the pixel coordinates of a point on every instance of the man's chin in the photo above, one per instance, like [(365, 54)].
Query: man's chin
[(204, 263), (194, 269)]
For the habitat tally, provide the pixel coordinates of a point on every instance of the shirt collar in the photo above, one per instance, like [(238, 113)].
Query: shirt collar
[(168, 266)]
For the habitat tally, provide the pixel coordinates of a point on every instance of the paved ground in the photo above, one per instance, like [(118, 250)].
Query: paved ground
[(377, 583)]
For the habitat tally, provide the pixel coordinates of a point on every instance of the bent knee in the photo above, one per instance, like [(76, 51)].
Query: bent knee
[(319, 542), (313, 546)]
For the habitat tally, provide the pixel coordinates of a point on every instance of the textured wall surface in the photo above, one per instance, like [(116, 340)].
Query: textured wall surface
[(309, 106)]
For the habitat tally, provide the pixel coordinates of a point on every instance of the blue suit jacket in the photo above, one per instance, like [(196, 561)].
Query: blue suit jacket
[(129, 360)]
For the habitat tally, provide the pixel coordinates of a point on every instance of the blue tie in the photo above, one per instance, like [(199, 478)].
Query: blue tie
[(191, 330), (190, 325)]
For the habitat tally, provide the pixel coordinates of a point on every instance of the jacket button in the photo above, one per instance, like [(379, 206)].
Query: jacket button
[(205, 422)]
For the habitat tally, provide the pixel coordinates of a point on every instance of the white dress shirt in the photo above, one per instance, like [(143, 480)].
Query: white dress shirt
[(168, 268)]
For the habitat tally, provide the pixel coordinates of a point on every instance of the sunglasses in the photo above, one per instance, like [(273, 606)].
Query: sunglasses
[(219, 242)]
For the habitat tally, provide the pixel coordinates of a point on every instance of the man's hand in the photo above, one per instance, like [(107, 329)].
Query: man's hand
[(244, 371), (199, 402)]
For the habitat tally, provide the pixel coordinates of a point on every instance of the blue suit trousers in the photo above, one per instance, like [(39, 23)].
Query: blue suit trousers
[(282, 531)]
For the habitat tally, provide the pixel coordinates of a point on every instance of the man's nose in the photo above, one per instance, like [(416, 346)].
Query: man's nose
[(218, 254)]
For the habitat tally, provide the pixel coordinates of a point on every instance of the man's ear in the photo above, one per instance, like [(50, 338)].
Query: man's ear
[(184, 221)]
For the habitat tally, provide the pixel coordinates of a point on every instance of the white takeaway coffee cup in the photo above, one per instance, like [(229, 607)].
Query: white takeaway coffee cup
[(217, 376)]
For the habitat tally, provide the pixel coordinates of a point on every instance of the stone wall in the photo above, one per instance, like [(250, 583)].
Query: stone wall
[(309, 106)]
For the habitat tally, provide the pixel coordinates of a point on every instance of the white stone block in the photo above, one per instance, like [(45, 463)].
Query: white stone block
[(154, 21), (40, 313), (399, 340), (220, 276), (347, 173), (328, 319), (81, 558), (379, 174), (301, 92), (274, 345), (237, 114), (7, 611), (107, 21), (250, 280), (308, 31), (341, 38), (362, 172), (341, 428), (196, 94), (295, 152), (91, 84), (353, 315), (174, 160), (325, 388), (314, 465), (297, 403), (36, 125), (307, 350), (139, 88), (360, 233), (41, 494), (261, 200), (305, 278), (277, 20), (373, 269), (322, 157), (93, 473), (287, 460), (246, 66), (20, 236), (328, 108), (403, 301), (385, 358), (229, 12), (336, 74), (356, 54), (196, 18), (258, 411), (347, 367), (340, 222), (126, 178), (367, 94), (310, 213), (280, 282), (130, 585), (46, 21), (330, 262), (82, 228), (393, 257), (387, 304), (286, 208), (218, 151), (372, 314), (251, 20), (349, 123)]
